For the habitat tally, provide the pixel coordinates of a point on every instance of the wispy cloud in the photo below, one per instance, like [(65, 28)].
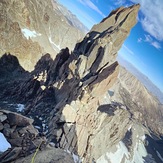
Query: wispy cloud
[(150, 40), (129, 51), (91, 5), (140, 40), (152, 20), (119, 2)]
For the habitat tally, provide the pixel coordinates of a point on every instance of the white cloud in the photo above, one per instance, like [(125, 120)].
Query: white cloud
[(156, 45), (150, 40), (140, 40), (91, 5), (130, 51), (152, 20), (119, 2)]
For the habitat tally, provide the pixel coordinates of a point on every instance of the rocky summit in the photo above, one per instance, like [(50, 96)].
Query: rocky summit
[(82, 105)]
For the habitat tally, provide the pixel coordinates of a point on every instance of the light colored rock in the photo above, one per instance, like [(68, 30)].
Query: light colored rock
[(3, 117), (69, 114), (47, 156)]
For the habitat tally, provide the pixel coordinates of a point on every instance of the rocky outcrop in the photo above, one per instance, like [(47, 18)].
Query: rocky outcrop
[(26, 140), (48, 155), (30, 29), (20, 133)]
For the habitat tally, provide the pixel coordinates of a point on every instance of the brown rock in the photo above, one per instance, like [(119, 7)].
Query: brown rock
[(19, 120), (49, 155), (29, 129), (14, 135), (17, 142), (50, 36), (11, 155)]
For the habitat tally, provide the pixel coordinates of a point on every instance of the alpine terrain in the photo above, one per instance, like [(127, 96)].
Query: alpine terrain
[(65, 102)]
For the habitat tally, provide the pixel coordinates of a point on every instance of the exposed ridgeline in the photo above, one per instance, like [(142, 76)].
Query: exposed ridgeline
[(69, 94), (144, 106), (32, 28)]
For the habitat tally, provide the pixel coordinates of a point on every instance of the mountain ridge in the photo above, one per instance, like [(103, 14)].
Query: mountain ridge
[(142, 78), (27, 30)]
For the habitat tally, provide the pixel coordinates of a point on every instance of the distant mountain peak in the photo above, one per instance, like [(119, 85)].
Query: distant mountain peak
[(142, 78)]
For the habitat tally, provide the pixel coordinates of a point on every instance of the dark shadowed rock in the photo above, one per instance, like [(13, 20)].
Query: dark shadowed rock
[(18, 120), (1, 126)]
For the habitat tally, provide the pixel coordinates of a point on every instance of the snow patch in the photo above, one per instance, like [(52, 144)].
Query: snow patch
[(55, 46), (76, 158), (129, 128), (4, 144), (20, 107), (116, 157), (139, 152), (28, 33), (143, 138), (122, 153), (37, 127), (40, 118)]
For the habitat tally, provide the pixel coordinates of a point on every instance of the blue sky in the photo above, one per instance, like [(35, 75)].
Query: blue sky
[(144, 47)]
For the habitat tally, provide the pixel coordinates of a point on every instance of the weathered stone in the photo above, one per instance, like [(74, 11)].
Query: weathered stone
[(6, 125), (16, 142), (69, 113), (14, 135), (11, 155), (41, 18), (19, 120), (3, 117), (49, 155), (7, 132), (29, 129)]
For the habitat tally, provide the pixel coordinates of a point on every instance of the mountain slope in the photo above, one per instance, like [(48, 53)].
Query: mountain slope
[(32, 28), (70, 18), (147, 83)]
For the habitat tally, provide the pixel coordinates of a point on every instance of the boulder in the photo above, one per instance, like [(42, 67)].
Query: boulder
[(3, 117), (49, 155), (18, 120)]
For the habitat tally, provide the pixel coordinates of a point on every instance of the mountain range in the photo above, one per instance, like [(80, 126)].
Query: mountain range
[(36, 27), (143, 79)]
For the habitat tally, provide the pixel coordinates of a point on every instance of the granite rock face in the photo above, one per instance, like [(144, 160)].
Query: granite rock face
[(30, 29), (69, 94)]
